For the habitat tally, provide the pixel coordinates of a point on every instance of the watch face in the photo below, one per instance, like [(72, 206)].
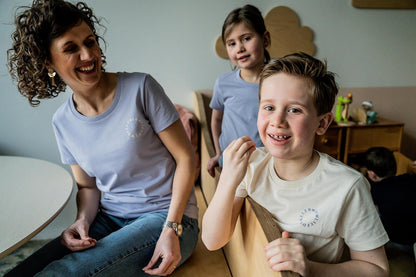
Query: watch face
[(179, 230)]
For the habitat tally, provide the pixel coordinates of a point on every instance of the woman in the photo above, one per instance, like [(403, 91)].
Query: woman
[(126, 146)]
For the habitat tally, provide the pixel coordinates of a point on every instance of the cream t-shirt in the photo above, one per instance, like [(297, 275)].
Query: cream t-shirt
[(330, 208)]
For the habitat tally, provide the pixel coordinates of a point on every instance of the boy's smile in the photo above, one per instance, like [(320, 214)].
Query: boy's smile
[(287, 120)]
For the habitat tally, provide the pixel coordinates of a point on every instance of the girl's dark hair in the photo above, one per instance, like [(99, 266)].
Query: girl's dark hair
[(249, 15), (320, 80), (36, 27)]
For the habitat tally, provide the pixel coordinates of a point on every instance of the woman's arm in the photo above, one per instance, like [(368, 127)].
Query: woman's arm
[(88, 197), (216, 122), (221, 215), (175, 140)]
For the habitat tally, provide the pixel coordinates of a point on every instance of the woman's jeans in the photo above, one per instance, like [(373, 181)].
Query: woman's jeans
[(123, 248)]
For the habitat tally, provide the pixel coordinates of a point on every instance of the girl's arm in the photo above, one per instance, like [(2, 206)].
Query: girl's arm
[(221, 215), (88, 198), (216, 122), (175, 140), (289, 254)]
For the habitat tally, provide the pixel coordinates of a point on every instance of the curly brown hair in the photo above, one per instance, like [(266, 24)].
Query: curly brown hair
[(36, 27)]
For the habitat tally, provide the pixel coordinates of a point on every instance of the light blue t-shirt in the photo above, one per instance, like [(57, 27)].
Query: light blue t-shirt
[(121, 148), (239, 101)]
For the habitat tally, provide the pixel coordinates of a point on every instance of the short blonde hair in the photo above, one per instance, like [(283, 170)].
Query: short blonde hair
[(321, 81)]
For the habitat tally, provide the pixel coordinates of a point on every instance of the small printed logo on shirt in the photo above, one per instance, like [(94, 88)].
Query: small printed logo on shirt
[(308, 217), (134, 127)]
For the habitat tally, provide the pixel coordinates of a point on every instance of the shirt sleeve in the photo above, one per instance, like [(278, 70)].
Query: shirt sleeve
[(157, 106), (217, 101), (241, 190), (66, 156), (359, 223)]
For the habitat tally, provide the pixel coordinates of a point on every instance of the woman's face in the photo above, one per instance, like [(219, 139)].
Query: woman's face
[(76, 57)]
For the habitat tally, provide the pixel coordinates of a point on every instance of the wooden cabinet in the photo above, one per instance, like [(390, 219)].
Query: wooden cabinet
[(331, 142), (341, 142)]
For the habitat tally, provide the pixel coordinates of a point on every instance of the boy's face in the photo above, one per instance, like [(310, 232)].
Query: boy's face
[(288, 120)]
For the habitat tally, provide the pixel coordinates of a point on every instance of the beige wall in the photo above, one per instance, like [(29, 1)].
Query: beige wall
[(394, 103)]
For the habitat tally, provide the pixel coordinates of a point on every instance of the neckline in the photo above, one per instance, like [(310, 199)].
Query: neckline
[(82, 117), (242, 81), (299, 182)]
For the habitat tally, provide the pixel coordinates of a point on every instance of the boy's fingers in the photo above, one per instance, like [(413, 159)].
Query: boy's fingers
[(285, 235)]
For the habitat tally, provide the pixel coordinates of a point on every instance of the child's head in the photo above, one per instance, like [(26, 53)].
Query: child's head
[(313, 71), (251, 18), (380, 163), (296, 98)]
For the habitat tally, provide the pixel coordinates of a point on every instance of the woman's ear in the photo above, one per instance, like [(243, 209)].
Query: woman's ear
[(324, 122), (48, 65), (266, 39)]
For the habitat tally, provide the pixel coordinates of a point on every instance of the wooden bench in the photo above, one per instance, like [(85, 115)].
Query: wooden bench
[(255, 227)]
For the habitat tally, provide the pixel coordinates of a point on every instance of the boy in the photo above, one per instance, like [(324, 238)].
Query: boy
[(321, 204), (393, 195)]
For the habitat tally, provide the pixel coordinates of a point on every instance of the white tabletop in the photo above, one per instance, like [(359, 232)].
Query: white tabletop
[(32, 194)]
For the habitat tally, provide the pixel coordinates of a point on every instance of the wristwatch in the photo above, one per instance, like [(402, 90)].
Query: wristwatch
[(177, 227)]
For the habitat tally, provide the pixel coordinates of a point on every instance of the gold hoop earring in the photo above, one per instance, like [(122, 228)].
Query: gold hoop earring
[(51, 75)]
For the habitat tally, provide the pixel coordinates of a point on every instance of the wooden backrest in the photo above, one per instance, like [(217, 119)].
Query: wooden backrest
[(255, 227), (202, 98), (404, 164)]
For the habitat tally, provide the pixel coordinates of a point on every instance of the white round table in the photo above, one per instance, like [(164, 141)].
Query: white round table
[(32, 193)]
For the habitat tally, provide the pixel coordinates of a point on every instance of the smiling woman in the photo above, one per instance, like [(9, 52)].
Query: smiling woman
[(131, 207), (29, 56)]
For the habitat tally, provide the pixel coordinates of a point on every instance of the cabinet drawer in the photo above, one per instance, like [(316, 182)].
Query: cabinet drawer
[(330, 142), (360, 139)]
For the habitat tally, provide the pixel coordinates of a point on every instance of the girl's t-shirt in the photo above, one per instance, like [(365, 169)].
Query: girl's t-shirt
[(239, 101)]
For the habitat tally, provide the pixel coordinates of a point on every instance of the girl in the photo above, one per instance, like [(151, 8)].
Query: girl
[(128, 151), (235, 100)]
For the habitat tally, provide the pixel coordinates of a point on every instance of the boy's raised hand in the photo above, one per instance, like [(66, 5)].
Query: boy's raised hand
[(236, 157), (287, 253)]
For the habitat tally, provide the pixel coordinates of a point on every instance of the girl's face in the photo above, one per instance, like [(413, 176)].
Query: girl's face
[(76, 57), (287, 119), (245, 47)]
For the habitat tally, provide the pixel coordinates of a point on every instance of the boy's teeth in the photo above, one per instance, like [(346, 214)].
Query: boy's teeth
[(279, 137)]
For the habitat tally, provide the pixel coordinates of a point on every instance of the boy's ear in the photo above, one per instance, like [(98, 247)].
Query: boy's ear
[(373, 176), (324, 122)]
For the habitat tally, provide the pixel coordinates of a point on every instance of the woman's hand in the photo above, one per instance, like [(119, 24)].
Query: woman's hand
[(235, 160), (212, 164), (167, 249), (76, 238), (287, 253)]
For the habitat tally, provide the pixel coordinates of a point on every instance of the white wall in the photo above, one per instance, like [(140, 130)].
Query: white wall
[(174, 41)]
